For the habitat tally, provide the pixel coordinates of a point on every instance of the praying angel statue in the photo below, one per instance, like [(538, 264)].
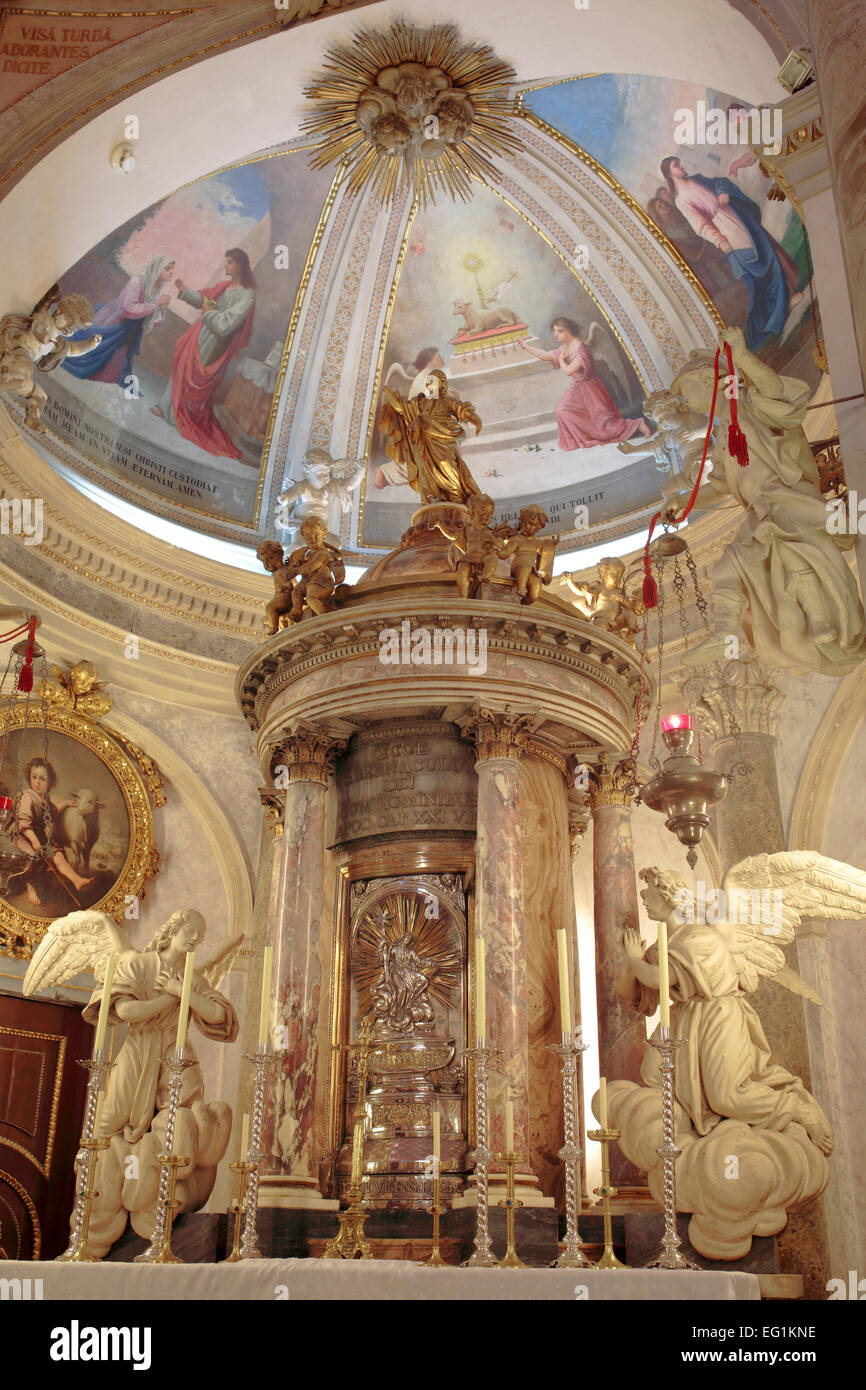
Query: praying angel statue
[(145, 997)]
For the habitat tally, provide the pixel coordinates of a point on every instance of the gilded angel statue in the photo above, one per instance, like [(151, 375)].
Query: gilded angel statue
[(732, 1100), (325, 480), (422, 434), (145, 996)]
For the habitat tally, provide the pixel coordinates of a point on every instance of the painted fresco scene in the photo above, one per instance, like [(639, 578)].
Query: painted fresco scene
[(193, 303), (483, 297)]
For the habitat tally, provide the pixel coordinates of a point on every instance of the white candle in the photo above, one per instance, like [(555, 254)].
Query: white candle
[(509, 1125), (480, 988), (265, 1007), (183, 1018), (104, 1003), (602, 1101), (436, 1133), (664, 977), (564, 983), (245, 1137)]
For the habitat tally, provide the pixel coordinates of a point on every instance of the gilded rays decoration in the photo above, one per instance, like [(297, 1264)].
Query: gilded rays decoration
[(406, 958), (412, 109)]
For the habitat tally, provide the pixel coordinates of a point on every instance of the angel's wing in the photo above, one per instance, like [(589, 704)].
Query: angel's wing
[(349, 472), (604, 350), (757, 957), (398, 379), (219, 965), (777, 891), (82, 941)]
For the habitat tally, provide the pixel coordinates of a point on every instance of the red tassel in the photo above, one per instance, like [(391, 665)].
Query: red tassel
[(738, 445), (25, 680), (650, 591)]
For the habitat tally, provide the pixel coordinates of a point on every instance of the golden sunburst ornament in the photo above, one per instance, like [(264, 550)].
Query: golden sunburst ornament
[(414, 109)]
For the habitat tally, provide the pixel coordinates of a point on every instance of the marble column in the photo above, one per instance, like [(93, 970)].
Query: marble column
[(749, 821), (621, 1029), (300, 764), (500, 742), (837, 29)]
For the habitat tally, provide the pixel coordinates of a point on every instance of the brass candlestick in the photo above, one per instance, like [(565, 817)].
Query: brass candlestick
[(350, 1243), (606, 1137), (511, 1259), (670, 1255), (78, 1250), (436, 1261), (482, 1055), (255, 1155), (243, 1171), (159, 1250)]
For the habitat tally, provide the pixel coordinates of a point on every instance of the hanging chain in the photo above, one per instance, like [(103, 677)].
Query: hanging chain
[(660, 612), (700, 601)]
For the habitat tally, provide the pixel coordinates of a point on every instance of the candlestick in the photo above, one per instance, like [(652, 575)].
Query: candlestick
[(159, 1251), (480, 989), (78, 1250), (670, 1256), (350, 1241), (511, 1259), (566, 1019), (265, 1006), (569, 1050), (104, 1004), (183, 1017), (482, 1056), (664, 977), (255, 1154), (437, 1211), (243, 1171), (437, 1141), (606, 1137), (245, 1136)]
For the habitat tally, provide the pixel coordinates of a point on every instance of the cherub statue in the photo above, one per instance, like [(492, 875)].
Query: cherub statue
[(475, 547), (272, 556), (531, 558), (804, 606), (731, 1099), (145, 994), (606, 602), (40, 341), (679, 443), (322, 572), (422, 435), (324, 481)]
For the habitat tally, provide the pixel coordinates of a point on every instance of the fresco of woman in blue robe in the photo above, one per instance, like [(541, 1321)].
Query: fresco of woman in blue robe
[(123, 322), (724, 215)]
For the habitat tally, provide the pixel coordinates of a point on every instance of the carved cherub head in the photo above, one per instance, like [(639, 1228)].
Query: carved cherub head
[(83, 677), (532, 518), (271, 555), (455, 118), (390, 134), (314, 532), (71, 313), (481, 508), (667, 409), (610, 572), (317, 466)]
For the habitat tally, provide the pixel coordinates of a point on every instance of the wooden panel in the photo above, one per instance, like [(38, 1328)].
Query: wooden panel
[(41, 1108)]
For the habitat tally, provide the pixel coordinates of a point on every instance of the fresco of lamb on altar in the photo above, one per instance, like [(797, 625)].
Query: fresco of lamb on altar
[(710, 197), (193, 300), (483, 296)]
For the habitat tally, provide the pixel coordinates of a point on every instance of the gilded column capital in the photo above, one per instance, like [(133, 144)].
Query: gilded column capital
[(578, 824), (610, 785), (273, 800), (740, 693), (307, 755), (497, 734)]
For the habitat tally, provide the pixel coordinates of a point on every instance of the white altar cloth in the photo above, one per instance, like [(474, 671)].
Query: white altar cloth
[(350, 1280)]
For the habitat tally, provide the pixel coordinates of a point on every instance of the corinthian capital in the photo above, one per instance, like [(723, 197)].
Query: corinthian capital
[(737, 693), (495, 734), (610, 786), (307, 755)]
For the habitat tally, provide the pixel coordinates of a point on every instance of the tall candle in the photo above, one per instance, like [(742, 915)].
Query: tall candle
[(105, 1001), (265, 1007), (509, 1126), (602, 1101), (664, 977), (564, 983), (480, 988), (245, 1137), (436, 1133), (184, 1001)]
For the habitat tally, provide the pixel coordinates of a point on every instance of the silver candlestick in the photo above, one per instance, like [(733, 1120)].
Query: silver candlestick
[(159, 1250), (569, 1050), (670, 1256), (482, 1055), (85, 1161), (256, 1155)]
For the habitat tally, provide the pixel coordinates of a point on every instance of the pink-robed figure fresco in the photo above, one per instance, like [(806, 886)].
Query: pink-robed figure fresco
[(587, 415)]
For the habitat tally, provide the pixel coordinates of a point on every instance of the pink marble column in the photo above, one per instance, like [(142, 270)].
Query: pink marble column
[(297, 893), (621, 1029), (500, 740)]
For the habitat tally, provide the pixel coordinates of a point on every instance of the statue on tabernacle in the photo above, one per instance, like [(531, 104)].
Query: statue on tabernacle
[(145, 996), (422, 434), (325, 481)]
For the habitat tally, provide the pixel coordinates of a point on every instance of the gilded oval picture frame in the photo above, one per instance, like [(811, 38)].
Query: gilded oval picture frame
[(99, 811)]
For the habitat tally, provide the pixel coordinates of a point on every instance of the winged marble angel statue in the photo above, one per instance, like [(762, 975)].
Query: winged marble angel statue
[(145, 997), (732, 1100)]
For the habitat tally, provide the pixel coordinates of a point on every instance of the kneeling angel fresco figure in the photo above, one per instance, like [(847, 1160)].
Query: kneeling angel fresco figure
[(732, 1101), (145, 996)]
